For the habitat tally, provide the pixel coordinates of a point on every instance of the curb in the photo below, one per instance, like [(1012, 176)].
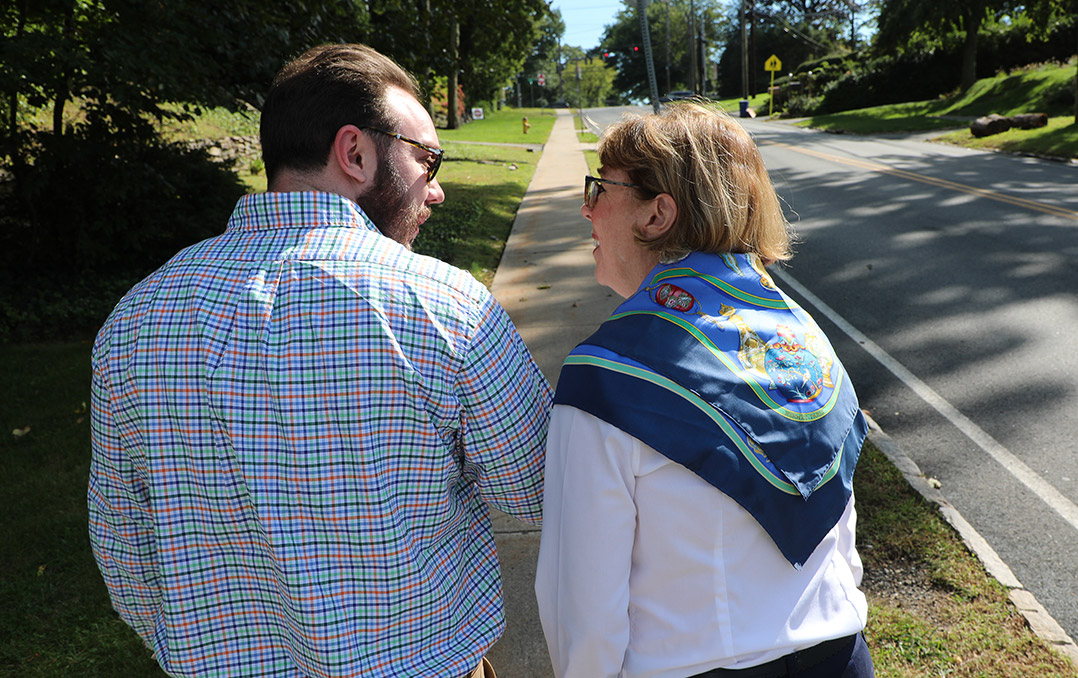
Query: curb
[(1042, 624)]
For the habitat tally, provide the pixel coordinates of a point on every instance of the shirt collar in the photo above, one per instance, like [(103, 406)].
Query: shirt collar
[(298, 209)]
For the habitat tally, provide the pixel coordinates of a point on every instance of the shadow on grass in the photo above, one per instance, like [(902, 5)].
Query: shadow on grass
[(57, 619), (469, 231)]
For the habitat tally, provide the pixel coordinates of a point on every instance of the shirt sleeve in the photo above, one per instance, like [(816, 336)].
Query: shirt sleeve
[(506, 402), (582, 579), (121, 533)]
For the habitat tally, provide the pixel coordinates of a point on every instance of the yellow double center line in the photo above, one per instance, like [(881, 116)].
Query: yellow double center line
[(942, 183)]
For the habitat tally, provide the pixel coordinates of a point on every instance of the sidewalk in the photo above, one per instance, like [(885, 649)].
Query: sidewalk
[(546, 281)]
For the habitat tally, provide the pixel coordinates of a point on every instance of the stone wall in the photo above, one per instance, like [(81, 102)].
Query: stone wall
[(230, 148)]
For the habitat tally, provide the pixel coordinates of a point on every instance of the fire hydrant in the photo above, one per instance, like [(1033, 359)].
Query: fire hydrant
[(527, 124)]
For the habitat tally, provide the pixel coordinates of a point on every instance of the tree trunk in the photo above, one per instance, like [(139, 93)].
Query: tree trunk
[(452, 118), (972, 19), (428, 73), (989, 125), (63, 84), (13, 146)]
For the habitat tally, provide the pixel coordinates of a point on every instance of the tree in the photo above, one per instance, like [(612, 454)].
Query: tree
[(496, 36), (547, 58), (899, 18), (91, 180), (621, 45), (1048, 13), (116, 66), (596, 81)]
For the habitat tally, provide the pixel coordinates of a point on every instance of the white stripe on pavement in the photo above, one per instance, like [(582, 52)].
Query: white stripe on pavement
[(1015, 466)]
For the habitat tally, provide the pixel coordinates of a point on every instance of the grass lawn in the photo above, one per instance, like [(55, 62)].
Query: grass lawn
[(1043, 89), (57, 618), (916, 116), (212, 123), (756, 102), (505, 127), (932, 609), (1059, 139), (483, 187)]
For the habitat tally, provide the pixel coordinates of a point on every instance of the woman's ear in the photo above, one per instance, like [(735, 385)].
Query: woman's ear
[(660, 217)]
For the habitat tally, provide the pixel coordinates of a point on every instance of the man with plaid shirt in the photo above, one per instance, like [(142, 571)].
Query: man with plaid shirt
[(298, 425)]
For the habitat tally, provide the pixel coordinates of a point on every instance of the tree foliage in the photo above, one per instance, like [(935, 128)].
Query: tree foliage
[(548, 59), (90, 190), (1050, 14), (796, 31), (622, 47), (494, 39), (901, 18)]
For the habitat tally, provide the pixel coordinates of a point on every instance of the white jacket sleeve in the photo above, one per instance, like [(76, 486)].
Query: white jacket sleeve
[(589, 524)]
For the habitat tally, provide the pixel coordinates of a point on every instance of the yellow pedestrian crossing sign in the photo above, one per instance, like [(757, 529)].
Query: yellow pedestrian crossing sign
[(773, 64)]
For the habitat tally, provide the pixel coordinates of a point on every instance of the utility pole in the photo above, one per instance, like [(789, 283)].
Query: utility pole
[(692, 47), (642, 7), (752, 46), (703, 61), (744, 55), (668, 46), (453, 115), (579, 78), (561, 77)]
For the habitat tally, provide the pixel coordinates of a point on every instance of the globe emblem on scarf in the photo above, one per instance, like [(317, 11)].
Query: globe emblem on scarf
[(793, 369)]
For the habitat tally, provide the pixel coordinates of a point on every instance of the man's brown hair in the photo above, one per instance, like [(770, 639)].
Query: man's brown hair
[(324, 89)]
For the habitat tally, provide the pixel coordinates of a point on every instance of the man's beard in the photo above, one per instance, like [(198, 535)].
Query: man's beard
[(388, 206)]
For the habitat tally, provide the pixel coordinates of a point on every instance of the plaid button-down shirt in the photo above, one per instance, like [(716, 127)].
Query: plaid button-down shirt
[(296, 428)]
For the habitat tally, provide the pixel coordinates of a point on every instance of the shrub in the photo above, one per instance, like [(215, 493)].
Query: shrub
[(801, 105), (91, 205), (889, 80), (98, 211)]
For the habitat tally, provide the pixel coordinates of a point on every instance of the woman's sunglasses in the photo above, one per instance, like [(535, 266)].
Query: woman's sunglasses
[(436, 161), (593, 186)]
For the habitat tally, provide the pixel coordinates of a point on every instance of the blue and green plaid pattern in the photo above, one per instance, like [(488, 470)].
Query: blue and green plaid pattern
[(296, 425)]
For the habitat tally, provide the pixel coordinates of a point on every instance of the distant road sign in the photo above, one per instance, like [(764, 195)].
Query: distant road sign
[(542, 79), (773, 64)]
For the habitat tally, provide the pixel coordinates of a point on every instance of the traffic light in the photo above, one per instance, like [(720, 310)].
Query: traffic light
[(635, 48)]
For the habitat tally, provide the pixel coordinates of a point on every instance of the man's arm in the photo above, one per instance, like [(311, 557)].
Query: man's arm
[(506, 402), (120, 524)]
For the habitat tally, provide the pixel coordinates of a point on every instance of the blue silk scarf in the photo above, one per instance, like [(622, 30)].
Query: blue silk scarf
[(713, 366)]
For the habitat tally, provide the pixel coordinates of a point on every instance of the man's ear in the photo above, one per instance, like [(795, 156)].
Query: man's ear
[(354, 154), (660, 217)]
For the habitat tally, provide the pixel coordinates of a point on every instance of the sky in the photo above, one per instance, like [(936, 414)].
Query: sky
[(585, 20)]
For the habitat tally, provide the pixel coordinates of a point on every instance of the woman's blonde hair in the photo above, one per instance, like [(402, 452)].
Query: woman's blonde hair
[(710, 166)]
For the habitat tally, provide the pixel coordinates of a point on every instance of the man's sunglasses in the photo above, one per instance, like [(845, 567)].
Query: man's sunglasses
[(435, 163), (593, 186)]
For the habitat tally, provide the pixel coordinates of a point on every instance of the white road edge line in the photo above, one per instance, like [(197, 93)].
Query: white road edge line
[(1015, 466)]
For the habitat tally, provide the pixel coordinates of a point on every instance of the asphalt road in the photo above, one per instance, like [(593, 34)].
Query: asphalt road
[(947, 279)]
